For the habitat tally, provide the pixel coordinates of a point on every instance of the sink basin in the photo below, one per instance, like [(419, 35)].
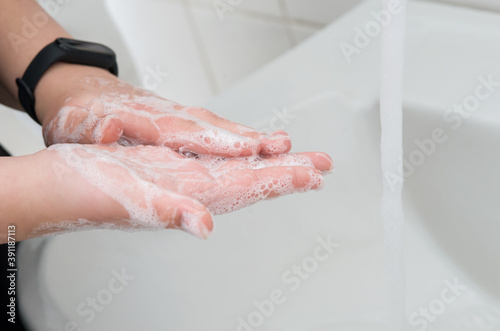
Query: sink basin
[(315, 261)]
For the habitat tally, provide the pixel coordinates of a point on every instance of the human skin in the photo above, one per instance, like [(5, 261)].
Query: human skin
[(111, 186), (86, 106), (107, 110)]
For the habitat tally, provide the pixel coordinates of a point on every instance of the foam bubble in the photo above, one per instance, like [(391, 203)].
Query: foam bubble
[(168, 124), (139, 177)]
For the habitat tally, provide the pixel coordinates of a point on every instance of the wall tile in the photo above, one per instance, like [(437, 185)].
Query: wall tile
[(160, 38), (302, 32), (239, 45), (319, 11), (267, 7)]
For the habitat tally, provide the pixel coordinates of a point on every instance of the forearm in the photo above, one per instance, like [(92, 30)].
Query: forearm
[(21, 198), (25, 28), (40, 189)]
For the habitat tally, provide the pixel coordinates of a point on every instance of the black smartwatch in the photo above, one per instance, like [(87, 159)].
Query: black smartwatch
[(62, 50)]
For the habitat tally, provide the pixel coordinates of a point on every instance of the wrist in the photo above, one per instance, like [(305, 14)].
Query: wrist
[(67, 196), (64, 81), (40, 191), (23, 204)]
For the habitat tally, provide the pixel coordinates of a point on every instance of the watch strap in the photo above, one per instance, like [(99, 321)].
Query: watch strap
[(49, 55)]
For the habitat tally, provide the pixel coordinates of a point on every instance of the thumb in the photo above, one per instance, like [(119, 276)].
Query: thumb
[(74, 124), (185, 213)]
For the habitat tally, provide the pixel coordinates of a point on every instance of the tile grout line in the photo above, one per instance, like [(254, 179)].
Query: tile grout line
[(277, 19), (255, 15), (288, 23), (200, 44), (466, 5)]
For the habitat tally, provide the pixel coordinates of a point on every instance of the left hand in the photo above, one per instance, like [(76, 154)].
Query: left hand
[(95, 107)]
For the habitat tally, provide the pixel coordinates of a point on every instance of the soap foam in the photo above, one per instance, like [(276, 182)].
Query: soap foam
[(225, 199), (167, 123), (139, 177), (229, 196), (62, 129), (91, 164)]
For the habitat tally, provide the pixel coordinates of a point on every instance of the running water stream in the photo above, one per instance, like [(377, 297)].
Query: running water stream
[(391, 118)]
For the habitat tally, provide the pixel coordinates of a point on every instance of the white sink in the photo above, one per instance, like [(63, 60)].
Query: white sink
[(451, 205)]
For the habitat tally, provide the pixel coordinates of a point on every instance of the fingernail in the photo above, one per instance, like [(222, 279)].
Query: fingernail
[(328, 159), (192, 223), (204, 230)]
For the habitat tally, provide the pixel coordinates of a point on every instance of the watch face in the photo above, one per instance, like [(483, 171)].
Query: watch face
[(86, 53), (83, 46)]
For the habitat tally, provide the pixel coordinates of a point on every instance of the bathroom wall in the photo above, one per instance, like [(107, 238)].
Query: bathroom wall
[(200, 48), (479, 4)]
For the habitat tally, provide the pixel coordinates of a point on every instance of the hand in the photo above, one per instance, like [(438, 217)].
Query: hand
[(156, 187), (99, 108)]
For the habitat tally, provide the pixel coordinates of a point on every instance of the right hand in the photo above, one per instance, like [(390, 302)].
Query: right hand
[(155, 187)]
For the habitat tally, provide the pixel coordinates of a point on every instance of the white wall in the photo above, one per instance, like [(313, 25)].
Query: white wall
[(207, 46)]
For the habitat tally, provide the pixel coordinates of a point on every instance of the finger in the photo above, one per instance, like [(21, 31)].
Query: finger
[(317, 160), (186, 134), (320, 161), (185, 213), (269, 143), (275, 143), (220, 122), (286, 180), (77, 125), (242, 188)]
